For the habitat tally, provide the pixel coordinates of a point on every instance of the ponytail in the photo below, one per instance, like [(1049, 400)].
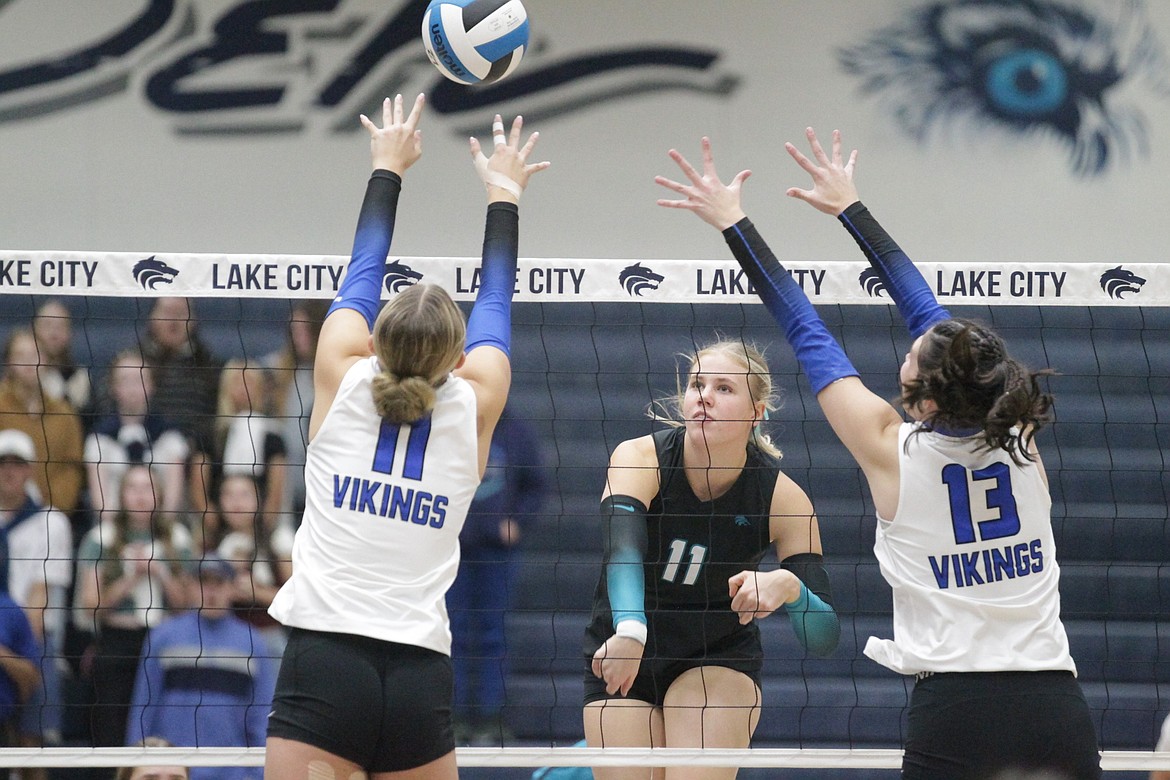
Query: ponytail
[(964, 368), (402, 400)]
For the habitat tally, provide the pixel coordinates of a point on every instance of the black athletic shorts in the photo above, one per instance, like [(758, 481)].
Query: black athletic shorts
[(972, 725), (384, 706), (741, 651)]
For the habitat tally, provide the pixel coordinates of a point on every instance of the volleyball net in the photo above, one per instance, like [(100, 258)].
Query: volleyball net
[(595, 342)]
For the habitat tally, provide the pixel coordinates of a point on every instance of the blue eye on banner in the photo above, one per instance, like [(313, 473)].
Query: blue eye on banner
[(1048, 68)]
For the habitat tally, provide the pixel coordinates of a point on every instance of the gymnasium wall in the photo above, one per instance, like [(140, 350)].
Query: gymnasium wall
[(988, 130)]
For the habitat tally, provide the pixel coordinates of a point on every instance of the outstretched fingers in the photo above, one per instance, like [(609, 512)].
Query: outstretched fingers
[(415, 112), (687, 169), (817, 150), (808, 165), (708, 158), (514, 137)]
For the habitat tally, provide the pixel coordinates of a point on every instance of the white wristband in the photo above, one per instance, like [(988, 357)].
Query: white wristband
[(494, 178), (632, 629)]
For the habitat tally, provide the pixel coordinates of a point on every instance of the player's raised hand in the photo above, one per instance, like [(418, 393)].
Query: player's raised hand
[(397, 144), (506, 172), (833, 190), (707, 196)]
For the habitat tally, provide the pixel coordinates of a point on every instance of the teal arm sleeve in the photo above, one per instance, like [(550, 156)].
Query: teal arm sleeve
[(813, 620), (814, 623), (623, 527)]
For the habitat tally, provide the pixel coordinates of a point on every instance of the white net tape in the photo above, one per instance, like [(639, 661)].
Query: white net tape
[(130, 274), (1111, 760)]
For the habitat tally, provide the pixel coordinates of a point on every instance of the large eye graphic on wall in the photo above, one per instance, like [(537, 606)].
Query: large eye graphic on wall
[(1028, 66)]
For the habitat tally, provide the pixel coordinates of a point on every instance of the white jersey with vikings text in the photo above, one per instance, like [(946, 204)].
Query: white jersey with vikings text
[(971, 561), (379, 543)]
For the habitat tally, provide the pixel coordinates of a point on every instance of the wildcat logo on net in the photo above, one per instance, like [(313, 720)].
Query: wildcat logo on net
[(151, 272), (637, 278), (871, 281), (399, 276), (1118, 281)]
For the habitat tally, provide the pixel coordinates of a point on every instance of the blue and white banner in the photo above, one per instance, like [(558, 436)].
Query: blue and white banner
[(125, 274)]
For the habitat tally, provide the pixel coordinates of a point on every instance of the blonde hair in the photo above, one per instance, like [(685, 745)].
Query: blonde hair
[(126, 772), (162, 528), (759, 384), (418, 339), (253, 380)]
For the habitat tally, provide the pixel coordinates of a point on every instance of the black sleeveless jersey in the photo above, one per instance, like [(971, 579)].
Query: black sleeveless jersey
[(693, 548)]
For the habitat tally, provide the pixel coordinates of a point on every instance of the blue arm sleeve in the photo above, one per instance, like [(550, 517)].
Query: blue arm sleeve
[(491, 317), (821, 357), (903, 280), (624, 537), (813, 620), (361, 290)]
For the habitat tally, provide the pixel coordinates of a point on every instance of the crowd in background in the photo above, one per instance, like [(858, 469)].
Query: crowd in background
[(147, 512)]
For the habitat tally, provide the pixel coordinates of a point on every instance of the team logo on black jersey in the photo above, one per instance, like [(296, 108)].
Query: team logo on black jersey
[(638, 278), (150, 273), (399, 276), (1116, 282), (871, 281), (741, 520)]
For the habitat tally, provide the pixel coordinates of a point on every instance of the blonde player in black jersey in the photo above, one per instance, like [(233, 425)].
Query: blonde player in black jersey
[(964, 535), (673, 653), (405, 403)]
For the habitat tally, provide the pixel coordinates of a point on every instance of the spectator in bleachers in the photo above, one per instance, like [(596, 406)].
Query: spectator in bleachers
[(132, 433), (259, 548), (36, 567), (206, 677), (52, 424), (292, 372), (249, 439), (506, 503), (132, 571), (153, 771), (18, 665), (186, 384), (61, 377)]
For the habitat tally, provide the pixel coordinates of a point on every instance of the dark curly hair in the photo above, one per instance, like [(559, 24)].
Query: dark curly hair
[(964, 368)]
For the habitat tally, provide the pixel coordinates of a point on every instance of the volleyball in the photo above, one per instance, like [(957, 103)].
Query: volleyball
[(475, 41)]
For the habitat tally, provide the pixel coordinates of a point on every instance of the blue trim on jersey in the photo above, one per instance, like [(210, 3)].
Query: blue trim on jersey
[(821, 357)]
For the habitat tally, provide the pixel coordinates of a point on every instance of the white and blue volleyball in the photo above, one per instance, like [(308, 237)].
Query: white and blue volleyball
[(475, 41)]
